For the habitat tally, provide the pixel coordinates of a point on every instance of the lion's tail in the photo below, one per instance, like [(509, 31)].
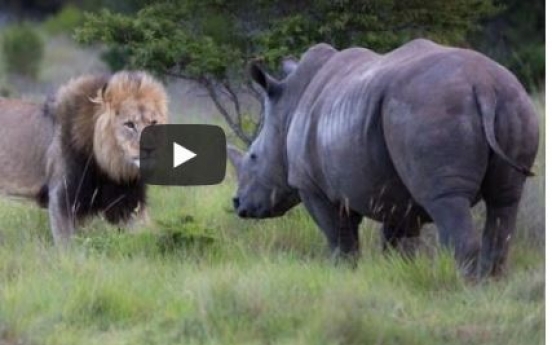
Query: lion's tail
[(487, 107), (49, 107)]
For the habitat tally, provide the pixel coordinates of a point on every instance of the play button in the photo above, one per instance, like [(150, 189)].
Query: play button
[(182, 155)]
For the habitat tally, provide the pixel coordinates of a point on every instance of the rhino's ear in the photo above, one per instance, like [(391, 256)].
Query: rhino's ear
[(235, 155), (261, 77), (289, 65)]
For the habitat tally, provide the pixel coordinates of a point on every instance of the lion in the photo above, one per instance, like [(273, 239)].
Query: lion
[(78, 154)]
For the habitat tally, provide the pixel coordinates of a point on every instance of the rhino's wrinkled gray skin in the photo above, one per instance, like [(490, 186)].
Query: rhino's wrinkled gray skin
[(416, 135)]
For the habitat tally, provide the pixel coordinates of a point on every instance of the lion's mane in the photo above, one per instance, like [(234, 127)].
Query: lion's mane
[(95, 180)]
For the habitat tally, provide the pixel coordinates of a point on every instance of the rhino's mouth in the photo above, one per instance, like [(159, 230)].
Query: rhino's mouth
[(259, 211), (245, 210)]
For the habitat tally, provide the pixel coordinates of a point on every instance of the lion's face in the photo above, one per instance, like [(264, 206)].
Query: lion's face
[(128, 123), (118, 128)]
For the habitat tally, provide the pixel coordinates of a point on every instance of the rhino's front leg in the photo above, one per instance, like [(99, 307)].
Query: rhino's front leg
[(402, 237), (339, 224), (62, 221)]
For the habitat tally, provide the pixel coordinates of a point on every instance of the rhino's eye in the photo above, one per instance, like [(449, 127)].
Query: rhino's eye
[(253, 157)]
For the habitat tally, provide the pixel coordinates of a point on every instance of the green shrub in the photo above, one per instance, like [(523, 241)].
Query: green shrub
[(116, 58), (23, 50), (178, 236), (528, 65), (65, 21)]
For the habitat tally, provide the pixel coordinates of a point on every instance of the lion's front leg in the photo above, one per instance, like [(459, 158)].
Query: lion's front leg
[(140, 219), (62, 220)]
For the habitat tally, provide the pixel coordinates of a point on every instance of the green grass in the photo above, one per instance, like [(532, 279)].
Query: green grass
[(199, 275)]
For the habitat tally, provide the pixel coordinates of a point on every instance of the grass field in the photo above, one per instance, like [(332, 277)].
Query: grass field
[(199, 275)]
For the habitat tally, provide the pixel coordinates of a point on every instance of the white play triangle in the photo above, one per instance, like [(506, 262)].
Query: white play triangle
[(181, 155)]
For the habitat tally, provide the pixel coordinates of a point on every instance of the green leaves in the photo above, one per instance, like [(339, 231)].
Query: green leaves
[(210, 38), (23, 50), (164, 38), (211, 41)]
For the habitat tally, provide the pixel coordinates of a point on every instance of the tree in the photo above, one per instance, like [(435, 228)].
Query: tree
[(515, 38), (211, 41)]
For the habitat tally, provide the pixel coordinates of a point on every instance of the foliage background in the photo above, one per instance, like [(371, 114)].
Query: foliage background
[(210, 42)]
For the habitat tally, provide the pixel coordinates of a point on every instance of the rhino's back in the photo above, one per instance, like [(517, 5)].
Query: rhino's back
[(350, 85), (337, 143)]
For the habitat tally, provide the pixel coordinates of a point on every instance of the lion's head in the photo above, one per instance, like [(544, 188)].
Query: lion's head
[(109, 121), (130, 102)]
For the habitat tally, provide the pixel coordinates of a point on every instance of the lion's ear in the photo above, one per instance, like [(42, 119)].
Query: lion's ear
[(100, 96)]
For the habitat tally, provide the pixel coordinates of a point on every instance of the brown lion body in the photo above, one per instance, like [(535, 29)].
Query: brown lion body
[(78, 154)]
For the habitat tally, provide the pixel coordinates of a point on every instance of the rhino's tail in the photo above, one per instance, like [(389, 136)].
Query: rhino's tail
[(487, 107)]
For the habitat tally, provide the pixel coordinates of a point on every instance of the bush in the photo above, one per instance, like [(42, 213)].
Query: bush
[(528, 65), (116, 58), (23, 50), (65, 21)]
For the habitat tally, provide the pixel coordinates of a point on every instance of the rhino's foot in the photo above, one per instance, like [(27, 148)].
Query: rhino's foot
[(349, 260), (499, 228), (339, 224), (452, 215)]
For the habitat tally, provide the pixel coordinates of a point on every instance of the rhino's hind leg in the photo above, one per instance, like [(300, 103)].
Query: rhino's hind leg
[(499, 228), (502, 189), (339, 224), (454, 222)]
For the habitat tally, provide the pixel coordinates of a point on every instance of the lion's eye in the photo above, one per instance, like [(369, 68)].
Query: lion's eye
[(130, 124), (153, 122)]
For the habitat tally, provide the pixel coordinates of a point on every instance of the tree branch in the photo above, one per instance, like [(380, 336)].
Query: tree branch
[(235, 100), (211, 90)]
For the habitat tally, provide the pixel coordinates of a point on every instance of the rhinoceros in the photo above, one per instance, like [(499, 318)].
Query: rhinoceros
[(416, 135)]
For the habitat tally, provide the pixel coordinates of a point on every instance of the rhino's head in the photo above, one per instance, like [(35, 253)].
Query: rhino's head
[(263, 190)]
